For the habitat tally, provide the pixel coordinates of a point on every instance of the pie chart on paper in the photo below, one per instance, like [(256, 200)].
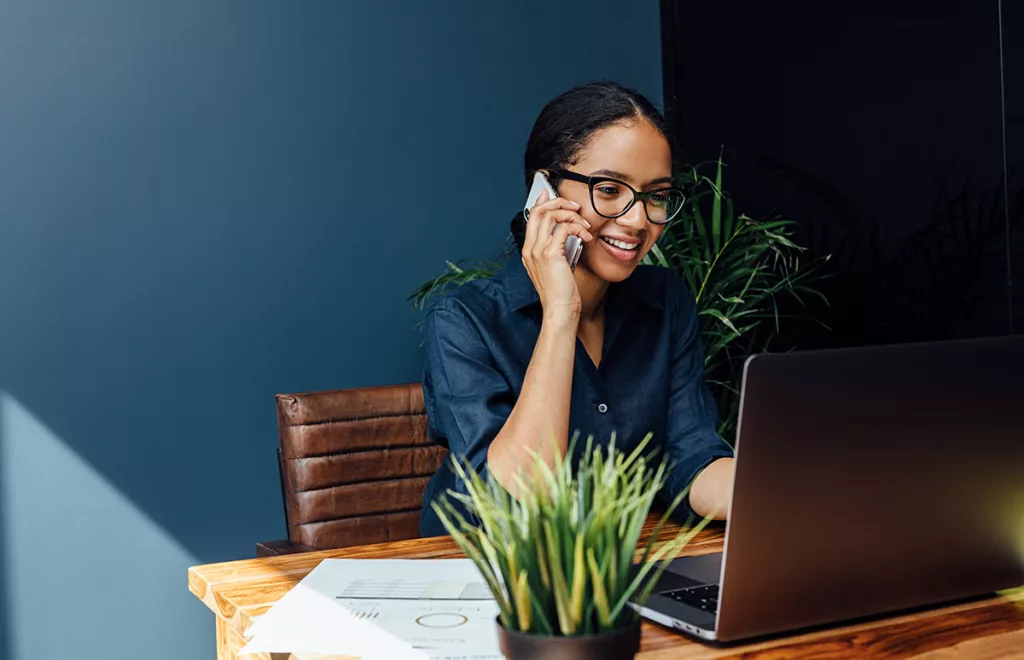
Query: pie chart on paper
[(442, 620)]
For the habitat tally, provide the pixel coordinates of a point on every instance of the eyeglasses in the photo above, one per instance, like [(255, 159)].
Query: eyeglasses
[(612, 198)]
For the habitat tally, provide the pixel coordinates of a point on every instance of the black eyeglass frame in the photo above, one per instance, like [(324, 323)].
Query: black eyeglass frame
[(592, 181)]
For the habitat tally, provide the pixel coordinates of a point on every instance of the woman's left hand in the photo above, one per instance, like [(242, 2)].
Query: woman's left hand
[(711, 492)]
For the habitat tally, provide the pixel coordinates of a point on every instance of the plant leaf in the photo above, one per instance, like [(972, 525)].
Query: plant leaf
[(711, 311)]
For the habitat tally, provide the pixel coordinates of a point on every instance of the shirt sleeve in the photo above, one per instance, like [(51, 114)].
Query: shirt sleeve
[(692, 441), (467, 399)]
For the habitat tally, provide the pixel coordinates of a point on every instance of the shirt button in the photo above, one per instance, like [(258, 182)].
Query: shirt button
[(602, 408)]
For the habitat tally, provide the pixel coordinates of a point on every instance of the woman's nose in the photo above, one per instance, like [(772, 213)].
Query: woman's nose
[(635, 217)]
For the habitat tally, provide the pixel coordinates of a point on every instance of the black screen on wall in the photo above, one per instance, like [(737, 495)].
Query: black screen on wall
[(879, 128)]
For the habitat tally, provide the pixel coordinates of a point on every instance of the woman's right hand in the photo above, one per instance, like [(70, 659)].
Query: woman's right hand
[(551, 222)]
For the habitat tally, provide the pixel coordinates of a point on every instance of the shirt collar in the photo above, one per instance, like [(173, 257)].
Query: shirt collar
[(520, 292), (519, 289)]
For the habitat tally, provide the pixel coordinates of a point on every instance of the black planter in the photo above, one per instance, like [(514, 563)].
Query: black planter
[(617, 645)]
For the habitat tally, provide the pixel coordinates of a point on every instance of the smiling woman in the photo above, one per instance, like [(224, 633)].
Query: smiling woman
[(518, 363)]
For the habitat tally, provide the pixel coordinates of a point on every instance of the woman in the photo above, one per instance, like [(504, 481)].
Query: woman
[(516, 363)]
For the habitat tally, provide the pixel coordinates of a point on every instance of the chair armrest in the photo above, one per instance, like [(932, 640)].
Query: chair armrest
[(285, 547)]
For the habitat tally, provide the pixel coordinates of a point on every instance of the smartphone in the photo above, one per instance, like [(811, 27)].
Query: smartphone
[(573, 244)]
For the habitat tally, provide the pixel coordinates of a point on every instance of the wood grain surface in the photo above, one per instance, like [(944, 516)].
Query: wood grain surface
[(993, 627)]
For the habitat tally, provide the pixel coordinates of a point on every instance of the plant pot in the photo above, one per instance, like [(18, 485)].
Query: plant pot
[(616, 645)]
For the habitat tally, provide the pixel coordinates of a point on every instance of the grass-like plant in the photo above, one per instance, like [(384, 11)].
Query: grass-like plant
[(560, 559)]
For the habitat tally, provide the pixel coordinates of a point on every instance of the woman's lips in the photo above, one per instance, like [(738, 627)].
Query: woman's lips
[(619, 253)]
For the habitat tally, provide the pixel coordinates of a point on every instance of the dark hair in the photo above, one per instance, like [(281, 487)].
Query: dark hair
[(569, 120)]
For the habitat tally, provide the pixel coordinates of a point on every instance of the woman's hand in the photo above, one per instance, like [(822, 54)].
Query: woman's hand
[(711, 491), (544, 253)]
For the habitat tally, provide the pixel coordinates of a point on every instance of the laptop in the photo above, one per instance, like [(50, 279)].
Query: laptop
[(868, 480)]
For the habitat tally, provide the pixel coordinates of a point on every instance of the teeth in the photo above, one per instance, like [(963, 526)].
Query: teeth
[(620, 244)]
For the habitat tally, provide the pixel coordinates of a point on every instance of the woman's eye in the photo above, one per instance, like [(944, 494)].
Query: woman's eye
[(660, 199), (609, 190)]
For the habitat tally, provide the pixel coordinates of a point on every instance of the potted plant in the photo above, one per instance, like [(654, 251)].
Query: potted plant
[(559, 560)]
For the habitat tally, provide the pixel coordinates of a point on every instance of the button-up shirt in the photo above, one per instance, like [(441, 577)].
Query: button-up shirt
[(480, 338)]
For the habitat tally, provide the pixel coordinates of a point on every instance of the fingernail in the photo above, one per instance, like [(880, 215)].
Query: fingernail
[(576, 204)]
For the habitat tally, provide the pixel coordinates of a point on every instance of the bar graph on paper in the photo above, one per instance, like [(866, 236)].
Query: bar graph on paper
[(399, 589)]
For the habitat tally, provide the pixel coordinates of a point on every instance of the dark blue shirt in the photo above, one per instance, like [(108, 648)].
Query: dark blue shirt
[(479, 341)]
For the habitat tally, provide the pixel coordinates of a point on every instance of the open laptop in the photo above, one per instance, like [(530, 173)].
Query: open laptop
[(868, 480)]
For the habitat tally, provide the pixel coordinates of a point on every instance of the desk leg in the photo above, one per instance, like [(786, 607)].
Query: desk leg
[(230, 643)]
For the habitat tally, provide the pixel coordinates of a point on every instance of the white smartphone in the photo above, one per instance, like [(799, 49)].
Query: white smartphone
[(573, 244)]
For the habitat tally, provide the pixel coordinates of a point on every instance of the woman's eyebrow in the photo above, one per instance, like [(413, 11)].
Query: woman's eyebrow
[(628, 179), (613, 174)]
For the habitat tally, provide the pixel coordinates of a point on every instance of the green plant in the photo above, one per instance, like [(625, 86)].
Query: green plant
[(456, 274), (559, 560), (738, 268)]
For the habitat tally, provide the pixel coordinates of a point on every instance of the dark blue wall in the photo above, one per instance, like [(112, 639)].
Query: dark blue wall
[(203, 203)]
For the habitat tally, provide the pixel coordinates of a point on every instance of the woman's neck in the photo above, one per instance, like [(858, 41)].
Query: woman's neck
[(593, 292)]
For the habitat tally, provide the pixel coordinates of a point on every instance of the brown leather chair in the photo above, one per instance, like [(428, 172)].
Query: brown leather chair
[(354, 464)]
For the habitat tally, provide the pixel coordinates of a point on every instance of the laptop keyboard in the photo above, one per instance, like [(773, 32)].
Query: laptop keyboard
[(703, 598)]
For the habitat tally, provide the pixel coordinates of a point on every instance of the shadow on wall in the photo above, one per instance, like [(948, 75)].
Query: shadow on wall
[(73, 542)]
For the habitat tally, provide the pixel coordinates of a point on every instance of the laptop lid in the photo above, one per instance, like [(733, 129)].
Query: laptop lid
[(874, 479)]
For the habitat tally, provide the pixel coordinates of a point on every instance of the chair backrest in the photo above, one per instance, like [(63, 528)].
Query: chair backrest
[(355, 464)]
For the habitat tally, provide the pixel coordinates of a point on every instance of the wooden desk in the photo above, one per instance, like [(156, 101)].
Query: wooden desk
[(991, 628)]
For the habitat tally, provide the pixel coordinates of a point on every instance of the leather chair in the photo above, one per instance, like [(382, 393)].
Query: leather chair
[(354, 465)]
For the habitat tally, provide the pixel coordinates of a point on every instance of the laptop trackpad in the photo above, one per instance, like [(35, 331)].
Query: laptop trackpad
[(700, 569)]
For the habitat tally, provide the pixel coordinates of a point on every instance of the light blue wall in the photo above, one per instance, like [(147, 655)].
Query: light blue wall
[(203, 203)]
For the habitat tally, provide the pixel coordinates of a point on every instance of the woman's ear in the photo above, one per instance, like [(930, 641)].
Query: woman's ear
[(557, 184)]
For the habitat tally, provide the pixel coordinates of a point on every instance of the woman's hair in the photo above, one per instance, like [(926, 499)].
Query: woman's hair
[(567, 123)]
